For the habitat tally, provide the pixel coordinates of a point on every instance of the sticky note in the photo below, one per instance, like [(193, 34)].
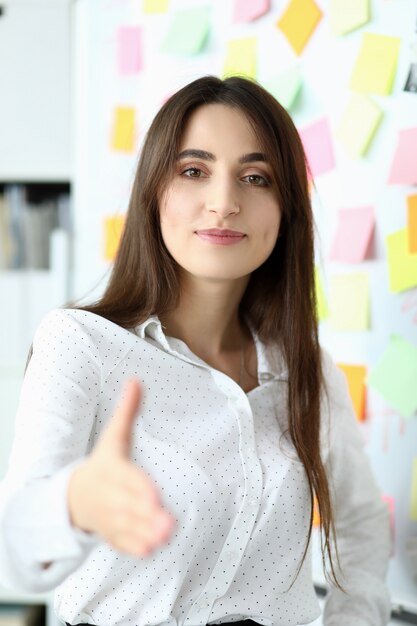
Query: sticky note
[(318, 145), (155, 6), (353, 235), (322, 310), (298, 22), (188, 31), (355, 375), (404, 164), (123, 137), (316, 513), (389, 500), (413, 499), (394, 375), (286, 86), (346, 15), (376, 64), (113, 228), (129, 49), (241, 57), (248, 10), (412, 223), (402, 265), (358, 124), (349, 302)]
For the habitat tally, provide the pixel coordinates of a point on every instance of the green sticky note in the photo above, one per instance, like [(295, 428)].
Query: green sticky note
[(241, 58), (359, 122), (322, 310), (395, 375), (402, 264), (188, 31), (346, 15), (285, 86), (376, 64), (349, 301)]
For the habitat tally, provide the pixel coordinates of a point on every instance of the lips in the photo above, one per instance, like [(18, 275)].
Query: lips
[(222, 236)]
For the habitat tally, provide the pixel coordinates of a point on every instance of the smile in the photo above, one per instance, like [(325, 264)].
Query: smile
[(219, 236)]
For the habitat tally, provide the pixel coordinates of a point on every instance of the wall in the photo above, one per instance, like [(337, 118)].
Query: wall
[(103, 178)]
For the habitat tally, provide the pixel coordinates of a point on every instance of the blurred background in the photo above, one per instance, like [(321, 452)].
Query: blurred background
[(80, 82)]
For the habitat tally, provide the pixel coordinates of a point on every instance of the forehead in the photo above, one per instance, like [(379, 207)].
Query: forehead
[(212, 126)]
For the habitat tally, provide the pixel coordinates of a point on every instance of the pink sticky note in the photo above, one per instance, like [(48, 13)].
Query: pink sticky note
[(248, 10), (353, 235), (318, 145), (404, 164), (391, 508), (129, 48)]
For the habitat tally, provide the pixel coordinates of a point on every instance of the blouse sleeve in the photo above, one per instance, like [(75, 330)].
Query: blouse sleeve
[(55, 417), (361, 516)]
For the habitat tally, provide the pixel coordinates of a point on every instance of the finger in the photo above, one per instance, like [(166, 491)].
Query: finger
[(118, 432)]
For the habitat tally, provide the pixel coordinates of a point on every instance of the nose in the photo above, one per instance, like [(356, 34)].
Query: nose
[(221, 196)]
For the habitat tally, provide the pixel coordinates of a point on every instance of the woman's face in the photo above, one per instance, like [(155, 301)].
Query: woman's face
[(220, 215)]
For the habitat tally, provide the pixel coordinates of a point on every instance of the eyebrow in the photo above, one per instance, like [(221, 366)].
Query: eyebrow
[(209, 156)]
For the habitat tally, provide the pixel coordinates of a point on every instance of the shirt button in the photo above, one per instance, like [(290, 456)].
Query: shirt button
[(253, 502), (233, 555)]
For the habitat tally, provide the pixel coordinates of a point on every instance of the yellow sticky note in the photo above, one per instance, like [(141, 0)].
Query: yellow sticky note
[(322, 310), (298, 22), (113, 228), (412, 223), (402, 265), (346, 15), (123, 137), (376, 64), (349, 302), (241, 57), (356, 375), (413, 507), (358, 124), (155, 6)]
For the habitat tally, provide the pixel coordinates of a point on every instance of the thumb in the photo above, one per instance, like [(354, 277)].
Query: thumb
[(118, 432)]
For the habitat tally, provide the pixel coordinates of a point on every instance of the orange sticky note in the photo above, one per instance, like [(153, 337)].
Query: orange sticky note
[(298, 22), (412, 223), (356, 375), (123, 137), (113, 228), (316, 514)]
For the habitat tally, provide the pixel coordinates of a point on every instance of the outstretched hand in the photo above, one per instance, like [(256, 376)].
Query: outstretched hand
[(112, 497)]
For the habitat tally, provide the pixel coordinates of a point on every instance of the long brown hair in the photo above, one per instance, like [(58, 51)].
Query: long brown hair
[(279, 301)]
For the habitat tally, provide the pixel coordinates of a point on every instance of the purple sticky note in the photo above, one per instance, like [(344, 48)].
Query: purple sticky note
[(129, 48), (318, 145)]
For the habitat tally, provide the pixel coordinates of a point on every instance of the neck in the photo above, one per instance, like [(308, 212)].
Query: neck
[(206, 318)]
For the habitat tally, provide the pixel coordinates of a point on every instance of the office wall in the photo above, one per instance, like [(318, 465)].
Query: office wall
[(382, 279)]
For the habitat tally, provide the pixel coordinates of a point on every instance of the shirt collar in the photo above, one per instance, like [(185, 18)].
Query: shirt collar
[(271, 364)]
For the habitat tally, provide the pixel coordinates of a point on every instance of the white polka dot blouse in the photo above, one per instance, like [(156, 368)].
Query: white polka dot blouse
[(226, 471)]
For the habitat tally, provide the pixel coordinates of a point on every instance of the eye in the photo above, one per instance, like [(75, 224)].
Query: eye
[(192, 172), (257, 180)]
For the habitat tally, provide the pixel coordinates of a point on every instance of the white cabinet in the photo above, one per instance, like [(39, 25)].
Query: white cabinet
[(35, 97)]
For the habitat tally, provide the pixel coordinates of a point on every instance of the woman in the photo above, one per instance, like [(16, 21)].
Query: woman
[(191, 501)]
